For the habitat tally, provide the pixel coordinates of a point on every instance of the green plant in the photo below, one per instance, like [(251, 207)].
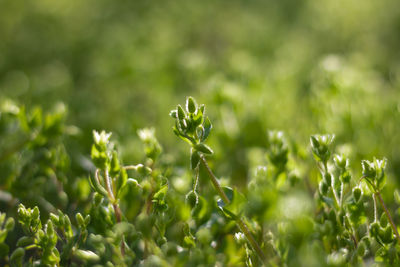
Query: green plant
[(194, 127), (343, 221), (6, 226), (149, 214)]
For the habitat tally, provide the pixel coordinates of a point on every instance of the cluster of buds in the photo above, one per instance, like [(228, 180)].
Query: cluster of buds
[(194, 127), (320, 145), (374, 173)]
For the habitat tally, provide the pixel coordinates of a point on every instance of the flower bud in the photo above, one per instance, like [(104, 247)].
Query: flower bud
[(341, 161), (320, 146), (79, 219), (368, 169)]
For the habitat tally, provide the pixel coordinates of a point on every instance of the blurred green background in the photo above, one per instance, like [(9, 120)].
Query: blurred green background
[(303, 67)]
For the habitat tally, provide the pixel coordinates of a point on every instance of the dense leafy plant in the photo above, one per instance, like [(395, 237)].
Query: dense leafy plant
[(148, 214), (343, 222), (194, 127)]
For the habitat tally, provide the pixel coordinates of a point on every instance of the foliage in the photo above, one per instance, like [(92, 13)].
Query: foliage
[(272, 74), (144, 214)]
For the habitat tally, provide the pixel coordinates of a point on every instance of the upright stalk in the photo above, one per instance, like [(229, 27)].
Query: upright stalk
[(332, 185), (240, 223), (394, 227), (117, 210)]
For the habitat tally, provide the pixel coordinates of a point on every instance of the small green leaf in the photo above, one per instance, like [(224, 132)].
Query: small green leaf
[(25, 241), (97, 199), (99, 157), (323, 188), (173, 114), (381, 254), (97, 186), (181, 113), (35, 213), (387, 234), (3, 217), (79, 219), (3, 235), (194, 159), (374, 229), (191, 105), (357, 193), (50, 228), (314, 142), (87, 220), (192, 199), (10, 223), (189, 242), (86, 255), (121, 181), (160, 194), (203, 148), (383, 220), (236, 205), (114, 164), (207, 129), (327, 178), (202, 108), (200, 211), (55, 219), (17, 256)]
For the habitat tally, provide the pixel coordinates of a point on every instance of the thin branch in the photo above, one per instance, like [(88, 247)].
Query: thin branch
[(243, 227), (394, 227), (375, 208), (196, 178), (326, 172), (341, 194), (241, 224), (108, 186), (214, 180), (117, 210)]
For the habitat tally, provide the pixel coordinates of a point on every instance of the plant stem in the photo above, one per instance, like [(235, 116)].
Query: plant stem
[(117, 210), (341, 194), (243, 227), (375, 208), (108, 186), (241, 224), (394, 227), (215, 182), (326, 172)]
